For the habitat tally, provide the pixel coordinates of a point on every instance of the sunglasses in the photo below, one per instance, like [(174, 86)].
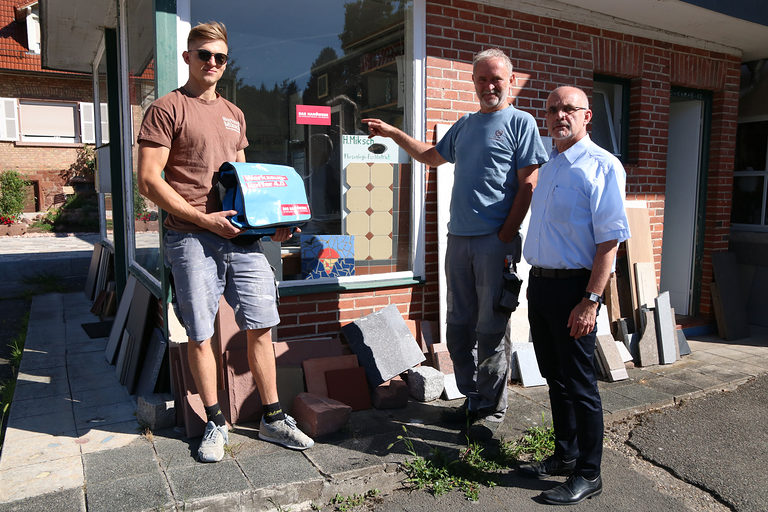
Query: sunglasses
[(205, 56)]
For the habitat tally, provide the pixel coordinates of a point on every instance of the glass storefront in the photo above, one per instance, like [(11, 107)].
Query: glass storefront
[(344, 61)]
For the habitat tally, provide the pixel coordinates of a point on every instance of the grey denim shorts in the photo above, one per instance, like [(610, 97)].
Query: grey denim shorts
[(205, 266)]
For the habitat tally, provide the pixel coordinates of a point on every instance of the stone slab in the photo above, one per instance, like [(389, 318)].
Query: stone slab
[(110, 352), (153, 361), (665, 329), (528, 368), (383, 343), (451, 391), (645, 282), (293, 352), (319, 415), (348, 386), (733, 299), (682, 343), (315, 368), (603, 322), (610, 358), (647, 346), (290, 382), (244, 402), (622, 331), (623, 351)]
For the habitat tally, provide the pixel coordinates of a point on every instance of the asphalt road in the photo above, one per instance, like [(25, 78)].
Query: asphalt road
[(707, 454)]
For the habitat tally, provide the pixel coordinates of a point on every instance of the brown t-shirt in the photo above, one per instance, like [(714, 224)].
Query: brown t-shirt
[(201, 135)]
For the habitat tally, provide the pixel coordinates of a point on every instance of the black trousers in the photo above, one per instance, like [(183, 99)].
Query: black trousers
[(568, 366)]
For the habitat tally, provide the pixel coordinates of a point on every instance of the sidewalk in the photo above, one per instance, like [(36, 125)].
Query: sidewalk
[(73, 442)]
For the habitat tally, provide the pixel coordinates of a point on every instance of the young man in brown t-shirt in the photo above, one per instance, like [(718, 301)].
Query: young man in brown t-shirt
[(188, 134)]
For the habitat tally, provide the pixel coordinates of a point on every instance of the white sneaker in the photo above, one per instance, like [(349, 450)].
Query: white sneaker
[(285, 433), (212, 446)]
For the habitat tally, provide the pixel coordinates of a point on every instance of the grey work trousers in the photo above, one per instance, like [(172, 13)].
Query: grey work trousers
[(474, 267)]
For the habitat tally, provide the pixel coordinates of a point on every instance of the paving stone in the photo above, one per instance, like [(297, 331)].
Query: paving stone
[(614, 402), (201, 480), (319, 415), (70, 500), (346, 461), (99, 416), (138, 492), (285, 466), (348, 386), (22, 449), (425, 383), (644, 395), (40, 478), (392, 394), (156, 411), (528, 367), (611, 360), (56, 422), (383, 343), (138, 458), (665, 329), (671, 386)]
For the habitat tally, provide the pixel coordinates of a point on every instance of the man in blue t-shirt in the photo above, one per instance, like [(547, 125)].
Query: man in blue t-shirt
[(497, 152)]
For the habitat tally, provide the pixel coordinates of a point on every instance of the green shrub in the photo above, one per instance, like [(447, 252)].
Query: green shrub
[(12, 195)]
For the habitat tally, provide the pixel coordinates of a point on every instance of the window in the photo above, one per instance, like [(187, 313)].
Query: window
[(610, 115), (42, 121), (347, 59), (86, 123), (750, 180)]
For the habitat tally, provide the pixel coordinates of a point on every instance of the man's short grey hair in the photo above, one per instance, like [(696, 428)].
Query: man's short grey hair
[(492, 53)]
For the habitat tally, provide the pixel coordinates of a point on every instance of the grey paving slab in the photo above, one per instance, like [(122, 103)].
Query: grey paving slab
[(34, 407), (721, 374), (646, 350), (201, 480), (645, 395), (614, 402), (94, 380), (383, 343), (665, 329), (338, 460), (138, 492), (53, 423), (673, 387), (39, 390), (110, 393), (282, 467), (135, 459), (71, 500), (88, 416), (87, 362), (694, 378)]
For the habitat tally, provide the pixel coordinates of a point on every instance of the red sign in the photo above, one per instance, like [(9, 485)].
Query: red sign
[(313, 114), (294, 209)]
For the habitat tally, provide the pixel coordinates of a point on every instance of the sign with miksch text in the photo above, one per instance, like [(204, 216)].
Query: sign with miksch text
[(313, 114), (361, 148)]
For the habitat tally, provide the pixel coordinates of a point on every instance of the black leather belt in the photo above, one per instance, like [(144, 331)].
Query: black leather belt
[(560, 273)]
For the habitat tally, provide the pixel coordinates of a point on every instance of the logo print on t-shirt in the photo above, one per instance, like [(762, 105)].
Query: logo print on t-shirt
[(498, 135), (231, 124)]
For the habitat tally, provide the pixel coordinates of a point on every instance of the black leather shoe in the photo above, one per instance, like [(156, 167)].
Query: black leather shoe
[(551, 466), (575, 490)]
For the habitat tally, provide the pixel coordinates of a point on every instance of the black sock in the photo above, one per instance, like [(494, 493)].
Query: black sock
[(213, 413), (273, 412)]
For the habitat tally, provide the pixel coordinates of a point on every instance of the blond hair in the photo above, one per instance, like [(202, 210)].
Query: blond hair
[(211, 31)]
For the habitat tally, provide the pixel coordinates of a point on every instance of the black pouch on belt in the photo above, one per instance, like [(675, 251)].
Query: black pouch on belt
[(511, 289)]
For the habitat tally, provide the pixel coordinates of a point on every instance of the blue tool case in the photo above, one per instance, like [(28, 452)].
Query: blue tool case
[(266, 196)]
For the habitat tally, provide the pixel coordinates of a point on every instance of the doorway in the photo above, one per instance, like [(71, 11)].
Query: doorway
[(685, 199)]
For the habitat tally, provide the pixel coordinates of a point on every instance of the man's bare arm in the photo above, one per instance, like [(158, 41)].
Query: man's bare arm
[(421, 151), (152, 160), (527, 177)]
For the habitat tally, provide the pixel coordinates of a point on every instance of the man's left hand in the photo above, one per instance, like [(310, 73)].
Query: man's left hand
[(283, 234), (582, 318)]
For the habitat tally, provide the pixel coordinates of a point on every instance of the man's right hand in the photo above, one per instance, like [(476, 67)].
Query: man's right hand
[(218, 223), (377, 127)]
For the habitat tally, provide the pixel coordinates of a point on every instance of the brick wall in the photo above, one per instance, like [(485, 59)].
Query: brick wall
[(42, 163), (546, 53)]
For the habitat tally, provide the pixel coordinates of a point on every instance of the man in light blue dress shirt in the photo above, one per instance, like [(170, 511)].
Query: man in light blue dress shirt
[(497, 152), (577, 221)]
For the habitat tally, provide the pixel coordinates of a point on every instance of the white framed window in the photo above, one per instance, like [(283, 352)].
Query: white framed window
[(749, 207), (610, 119), (9, 119), (45, 121)]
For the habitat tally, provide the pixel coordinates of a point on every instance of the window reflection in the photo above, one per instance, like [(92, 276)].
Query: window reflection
[(348, 56)]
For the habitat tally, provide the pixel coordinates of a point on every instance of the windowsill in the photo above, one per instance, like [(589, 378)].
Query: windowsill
[(326, 285), (49, 144)]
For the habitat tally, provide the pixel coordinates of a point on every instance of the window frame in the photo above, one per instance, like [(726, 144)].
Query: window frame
[(620, 132), (74, 106), (763, 226)]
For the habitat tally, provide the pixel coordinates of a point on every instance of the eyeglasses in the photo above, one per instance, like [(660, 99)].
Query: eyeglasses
[(205, 56), (568, 110)]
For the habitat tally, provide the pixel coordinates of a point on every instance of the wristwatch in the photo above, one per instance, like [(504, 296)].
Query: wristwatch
[(593, 297)]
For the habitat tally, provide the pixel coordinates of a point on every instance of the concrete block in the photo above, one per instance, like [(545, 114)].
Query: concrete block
[(451, 391), (315, 368), (319, 415), (348, 386), (665, 329), (528, 367), (425, 383), (647, 346), (392, 394), (383, 343), (611, 360), (156, 411)]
